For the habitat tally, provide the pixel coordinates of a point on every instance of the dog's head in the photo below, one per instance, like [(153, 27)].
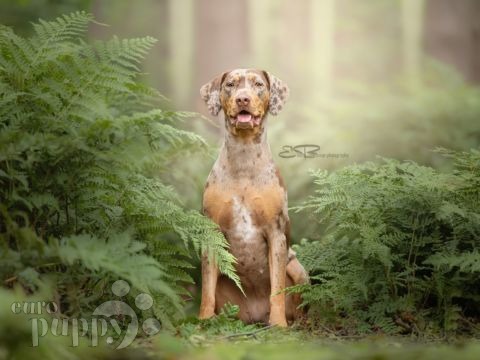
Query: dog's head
[(245, 96)]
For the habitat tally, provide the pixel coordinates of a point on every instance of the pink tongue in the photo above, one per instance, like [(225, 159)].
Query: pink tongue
[(244, 117)]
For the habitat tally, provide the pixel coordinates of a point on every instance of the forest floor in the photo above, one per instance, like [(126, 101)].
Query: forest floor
[(274, 343)]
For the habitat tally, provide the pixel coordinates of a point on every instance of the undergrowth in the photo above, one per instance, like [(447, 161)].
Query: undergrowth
[(401, 250), (83, 150)]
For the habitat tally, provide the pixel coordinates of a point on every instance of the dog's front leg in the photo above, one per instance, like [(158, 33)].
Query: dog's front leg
[(277, 261), (209, 285)]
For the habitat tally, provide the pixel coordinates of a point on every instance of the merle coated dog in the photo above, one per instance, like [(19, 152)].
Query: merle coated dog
[(246, 197)]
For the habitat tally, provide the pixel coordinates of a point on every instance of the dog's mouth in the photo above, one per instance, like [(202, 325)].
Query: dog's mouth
[(246, 120)]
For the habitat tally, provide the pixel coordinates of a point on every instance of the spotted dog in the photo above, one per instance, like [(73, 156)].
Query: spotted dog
[(245, 195)]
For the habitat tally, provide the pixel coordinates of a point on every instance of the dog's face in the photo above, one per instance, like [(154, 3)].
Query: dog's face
[(245, 96)]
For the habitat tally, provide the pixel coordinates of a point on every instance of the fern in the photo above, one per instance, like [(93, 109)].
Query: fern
[(82, 146), (402, 241)]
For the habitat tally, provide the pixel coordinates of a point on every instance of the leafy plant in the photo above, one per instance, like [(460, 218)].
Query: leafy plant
[(221, 327), (401, 247), (83, 148)]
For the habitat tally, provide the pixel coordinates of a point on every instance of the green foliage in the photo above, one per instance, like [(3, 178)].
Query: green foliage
[(20, 13), (82, 152), (226, 324), (15, 343), (401, 247)]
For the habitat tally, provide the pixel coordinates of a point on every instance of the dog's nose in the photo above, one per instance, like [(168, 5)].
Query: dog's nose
[(243, 100)]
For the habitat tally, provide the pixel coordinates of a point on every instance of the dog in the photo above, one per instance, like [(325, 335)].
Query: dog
[(245, 195)]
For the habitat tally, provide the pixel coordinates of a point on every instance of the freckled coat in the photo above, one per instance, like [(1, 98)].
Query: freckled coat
[(245, 195)]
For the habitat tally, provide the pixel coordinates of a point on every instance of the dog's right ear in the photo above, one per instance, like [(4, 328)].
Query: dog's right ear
[(210, 93)]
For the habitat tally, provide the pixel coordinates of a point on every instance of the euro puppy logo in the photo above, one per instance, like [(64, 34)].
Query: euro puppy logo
[(105, 318)]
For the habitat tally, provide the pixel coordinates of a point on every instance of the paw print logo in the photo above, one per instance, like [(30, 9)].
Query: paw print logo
[(111, 308)]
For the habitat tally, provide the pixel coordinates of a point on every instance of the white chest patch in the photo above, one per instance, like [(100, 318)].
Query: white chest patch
[(244, 228)]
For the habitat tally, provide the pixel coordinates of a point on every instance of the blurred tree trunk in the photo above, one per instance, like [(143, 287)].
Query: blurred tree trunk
[(261, 31), (181, 45), (220, 39), (453, 34), (412, 25), (322, 25), (96, 10)]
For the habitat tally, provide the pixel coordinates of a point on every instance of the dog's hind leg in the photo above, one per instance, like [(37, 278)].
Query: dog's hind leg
[(296, 275), (295, 270)]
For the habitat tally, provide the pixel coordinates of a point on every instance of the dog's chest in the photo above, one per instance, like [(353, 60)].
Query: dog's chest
[(242, 209)]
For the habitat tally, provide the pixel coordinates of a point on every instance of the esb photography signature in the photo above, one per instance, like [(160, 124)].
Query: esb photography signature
[(307, 151)]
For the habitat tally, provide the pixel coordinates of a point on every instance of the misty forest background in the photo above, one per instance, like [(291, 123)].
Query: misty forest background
[(105, 146)]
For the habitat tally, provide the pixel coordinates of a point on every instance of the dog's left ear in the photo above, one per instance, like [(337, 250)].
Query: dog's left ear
[(210, 93), (279, 93)]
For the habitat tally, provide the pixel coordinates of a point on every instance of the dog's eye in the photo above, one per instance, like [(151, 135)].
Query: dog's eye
[(229, 84), (258, 84)]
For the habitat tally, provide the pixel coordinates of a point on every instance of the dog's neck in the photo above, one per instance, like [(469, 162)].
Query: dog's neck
[(245, 156)]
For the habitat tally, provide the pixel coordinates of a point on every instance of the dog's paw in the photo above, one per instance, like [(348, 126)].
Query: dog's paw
[(206, 313)]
